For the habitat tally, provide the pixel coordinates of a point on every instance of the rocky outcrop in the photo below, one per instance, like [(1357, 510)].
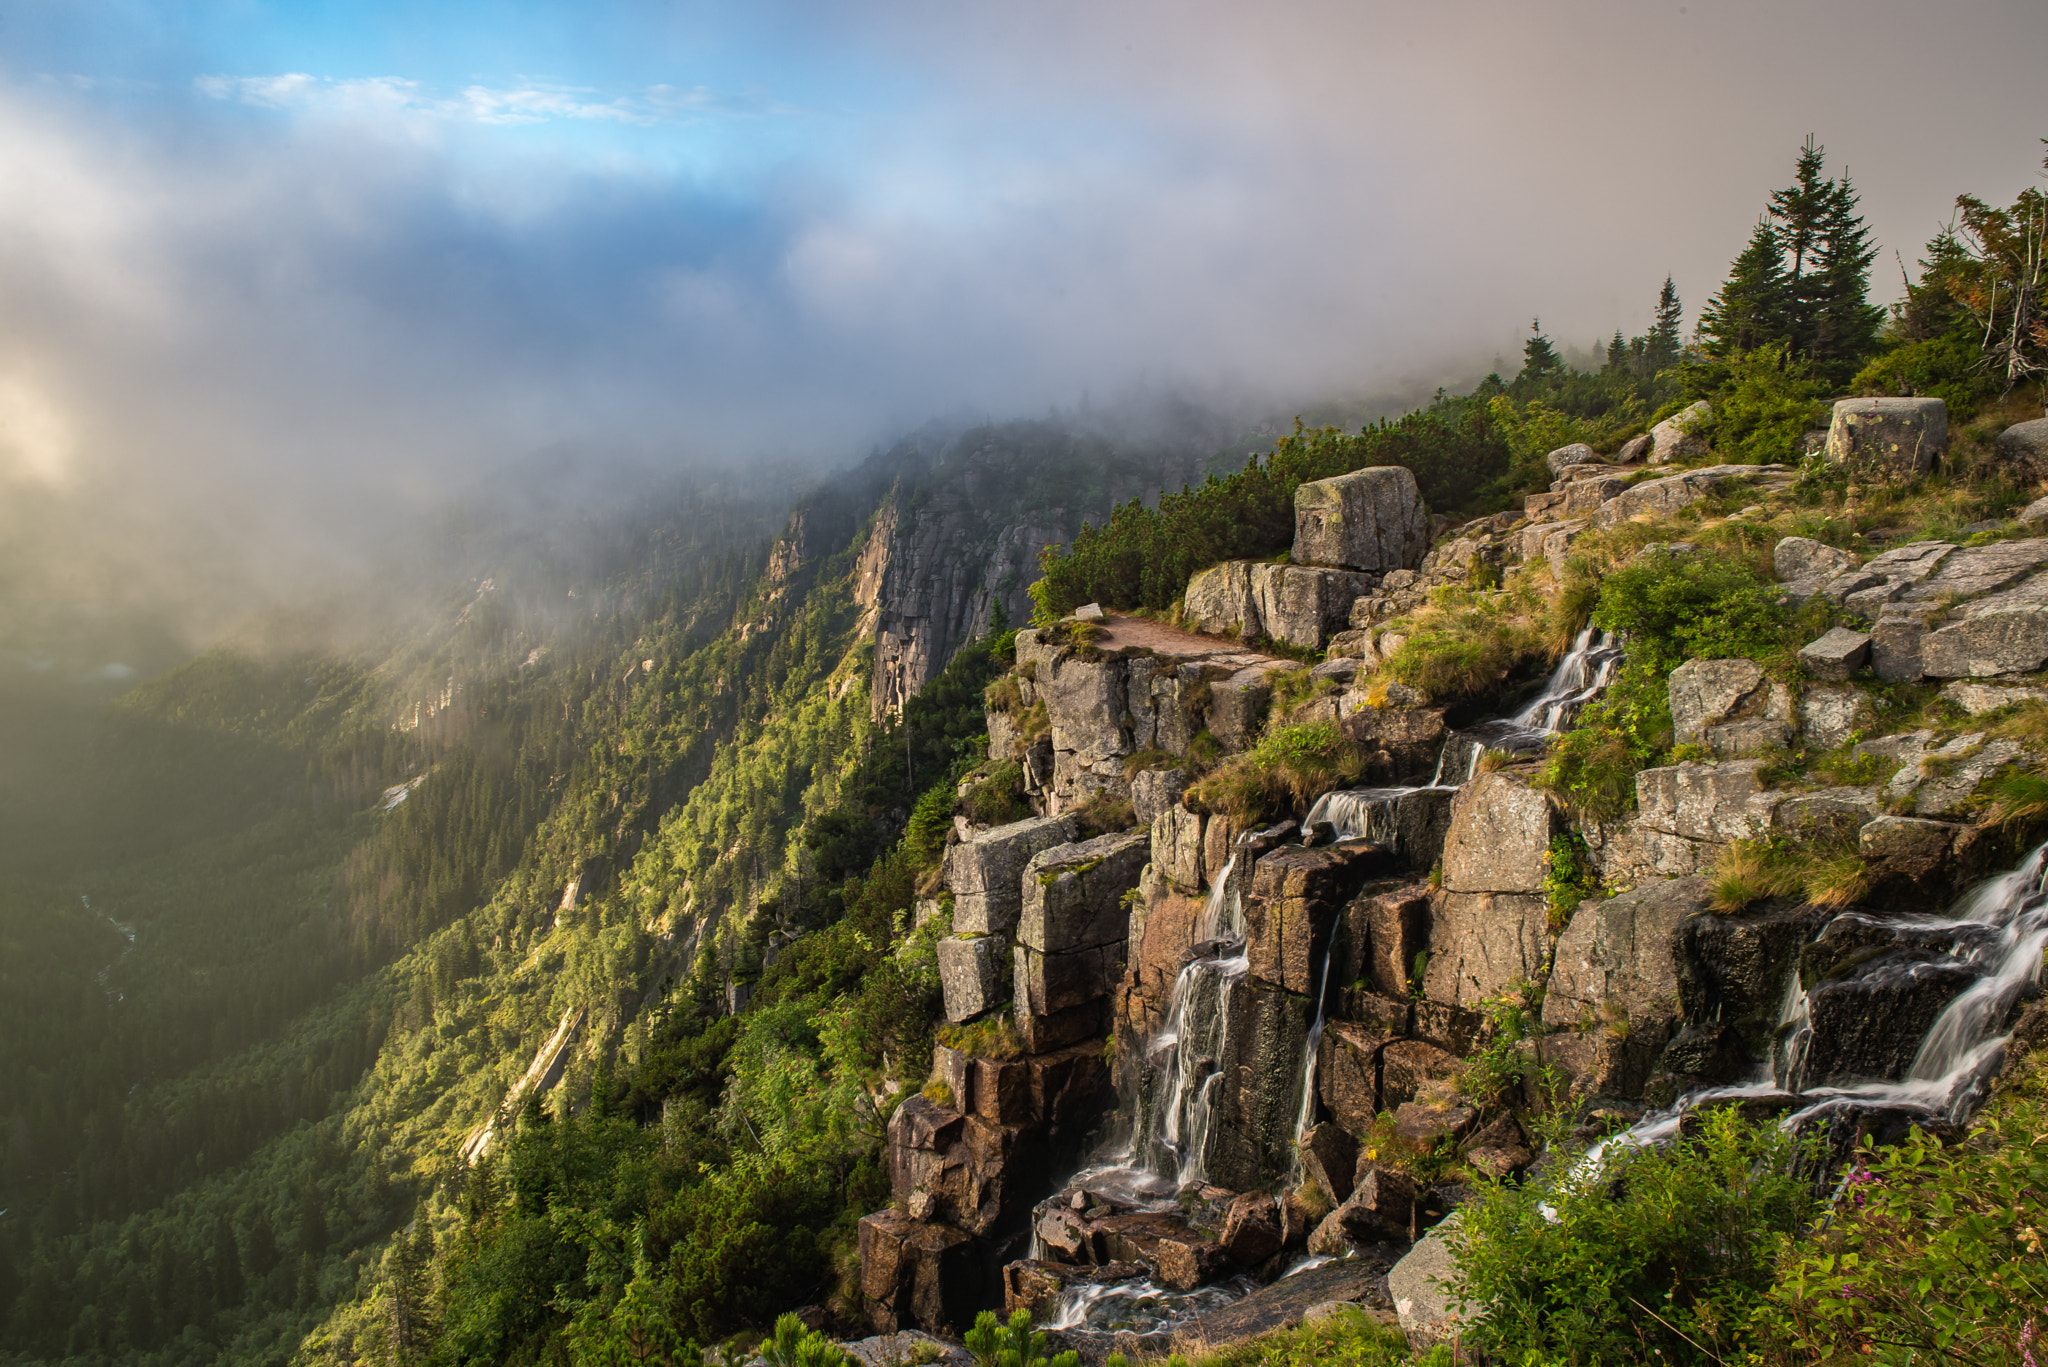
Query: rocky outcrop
[(1301, 605), (1372, 519), (1488, 926), (1675, 438), (1564, 457), (1663, 497), (1614, 984), (985, 873), (1106, 700), (1072, 935), (1836, 655), (1729, 707), (1889, 438), (1297, 894)]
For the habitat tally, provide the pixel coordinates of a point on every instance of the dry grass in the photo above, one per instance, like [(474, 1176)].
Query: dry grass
[(1822, 868)]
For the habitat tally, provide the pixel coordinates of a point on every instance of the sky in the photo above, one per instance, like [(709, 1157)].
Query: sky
[(269, 272)]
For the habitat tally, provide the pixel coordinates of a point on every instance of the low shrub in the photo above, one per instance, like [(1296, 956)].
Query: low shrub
[(1349, 1338), (998, 799), (1935, 1253), (1289, 768), (1663, 1255)]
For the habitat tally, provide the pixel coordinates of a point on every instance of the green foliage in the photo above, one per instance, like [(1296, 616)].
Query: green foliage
[(1936, 1253), (994, 1344), (795, 1346), (1349, 1338), (1661, 1256), (1289, 768), (1466, 650), (1678, 607), (1673, 608), (1569, 877), (998, 799), (1499, 1063), (1764, 404), (1802, 280)]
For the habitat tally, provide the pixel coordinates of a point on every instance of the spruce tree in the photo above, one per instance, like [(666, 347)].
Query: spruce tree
[(1617, 354), (1662, 347), (1750, 309), (1801, 210), (1845, 326), (1539, 359)]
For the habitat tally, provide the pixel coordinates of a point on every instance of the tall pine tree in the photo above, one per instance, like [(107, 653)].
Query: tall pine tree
[(1844, 326), (1750, 309), (1661, 348)]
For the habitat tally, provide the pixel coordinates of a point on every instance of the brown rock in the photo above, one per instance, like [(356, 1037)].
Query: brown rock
[(1002, 1091), (1408, 1067), (1330, 1156), (1347, 1078), (1296, 895), (956, 1070), (1251, 1229), (1294, 1221), (1396, 931), (1185, 1262), (916, 1274), (1423, 1125)]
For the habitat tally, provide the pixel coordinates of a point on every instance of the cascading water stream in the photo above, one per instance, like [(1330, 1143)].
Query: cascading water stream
[(1579, 677), (1956, 1056)]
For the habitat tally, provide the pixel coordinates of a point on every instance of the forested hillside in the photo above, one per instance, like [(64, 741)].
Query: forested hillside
[(291, 920)]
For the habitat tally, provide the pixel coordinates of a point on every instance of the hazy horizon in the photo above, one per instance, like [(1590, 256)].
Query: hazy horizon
[(277, 276)]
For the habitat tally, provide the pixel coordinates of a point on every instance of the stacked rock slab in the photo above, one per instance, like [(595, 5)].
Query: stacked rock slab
[(968, 1156), (1612, 997), (985, 876), (1072, 936), (1295, 899), (963, 1177), (1488, 921)]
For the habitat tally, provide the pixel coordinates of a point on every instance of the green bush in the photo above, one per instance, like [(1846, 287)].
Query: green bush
[(1289, 768), (1935, 1254), (998, 799), (1948, 368), (1011, 1345), (1664, 1255), (796, 1346), (1763, 406)]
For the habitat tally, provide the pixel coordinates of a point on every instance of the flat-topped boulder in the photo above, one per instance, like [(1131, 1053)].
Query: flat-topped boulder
[(1893, 438), (1371, 519), (1663, 497), (2023, 450)]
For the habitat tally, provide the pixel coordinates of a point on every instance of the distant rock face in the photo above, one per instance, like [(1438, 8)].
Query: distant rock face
[(1371, 519), (1891, 438), (1674, 438)]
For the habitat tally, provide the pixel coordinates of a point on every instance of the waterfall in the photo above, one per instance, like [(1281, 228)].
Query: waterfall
[(1957, 1055), (1360, 813), (1196, 1028), (1578, 679), (1311, 1049)]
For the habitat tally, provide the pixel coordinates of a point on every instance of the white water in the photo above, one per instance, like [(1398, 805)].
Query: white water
[(1958, 1054), (1577, 680)]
